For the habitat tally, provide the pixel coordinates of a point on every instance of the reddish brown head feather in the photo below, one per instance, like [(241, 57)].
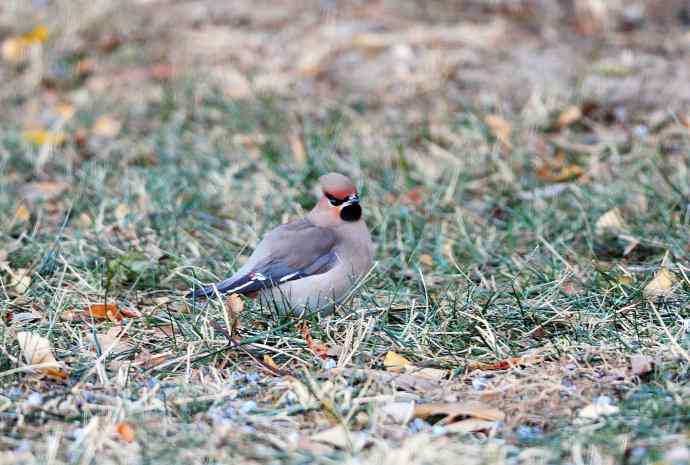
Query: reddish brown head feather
[(337, 185)]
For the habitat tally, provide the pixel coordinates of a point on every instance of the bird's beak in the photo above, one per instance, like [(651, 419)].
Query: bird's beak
[(351, 200)]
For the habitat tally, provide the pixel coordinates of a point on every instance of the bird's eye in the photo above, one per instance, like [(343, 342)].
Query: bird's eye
[(334, 200)]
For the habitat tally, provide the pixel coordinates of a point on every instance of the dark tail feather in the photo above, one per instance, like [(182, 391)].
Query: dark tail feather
[(207, 291)]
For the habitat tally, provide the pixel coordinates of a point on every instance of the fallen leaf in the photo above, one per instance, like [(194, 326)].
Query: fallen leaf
[(596, 410), (42, 137), (106, 126), (500, 128), (22, 213), (426, 259), (270, 363), (470, 425), (569, 116), (511, 362), (298, 151), (114, 341), (399, 412), (641, 364), (20, 281), (319, 348), (395, 362), (661, 286), (125, 431), (234, 306), (43, 190), (37, 351), (611, 222), (147, 360), (340, 437), (403, 381), (565, 173), (455, 411), (110, 312), (37, 35)]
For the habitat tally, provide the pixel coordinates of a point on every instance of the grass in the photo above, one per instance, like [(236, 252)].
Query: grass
[(480, 259)]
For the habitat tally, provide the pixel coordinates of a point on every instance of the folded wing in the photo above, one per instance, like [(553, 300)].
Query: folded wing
[(291, 251)]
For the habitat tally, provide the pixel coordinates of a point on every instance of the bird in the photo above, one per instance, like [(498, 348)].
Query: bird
[(311, 263)]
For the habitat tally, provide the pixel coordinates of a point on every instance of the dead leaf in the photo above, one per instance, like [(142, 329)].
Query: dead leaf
[(271, 364), (550, 173), (404, 381), (106, 126), (22, 213), (298, 151), (340, 437), (641, 364), (42, 137), (125, 431), (234, 306), (611, 222), (110, 312), (43, 190), (533, 358), (37, 351), (500, 128), (395, 362), (569, 116), (470, 425), (399, 412), (37, 35), (455, 411), (147, 360), (317, 347), (661, 286), (596, 410), (114, 341)]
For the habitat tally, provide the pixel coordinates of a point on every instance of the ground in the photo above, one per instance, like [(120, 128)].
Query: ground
[(523, 166)]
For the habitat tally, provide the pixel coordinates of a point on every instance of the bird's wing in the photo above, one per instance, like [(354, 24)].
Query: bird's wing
[(291, 251)]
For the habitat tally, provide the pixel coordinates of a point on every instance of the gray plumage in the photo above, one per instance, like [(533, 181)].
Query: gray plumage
[(307, 264)]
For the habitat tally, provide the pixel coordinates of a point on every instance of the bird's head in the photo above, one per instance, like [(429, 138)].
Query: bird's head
[(339, 202)]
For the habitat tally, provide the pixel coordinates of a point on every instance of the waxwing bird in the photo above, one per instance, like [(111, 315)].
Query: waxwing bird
[(308, 264)]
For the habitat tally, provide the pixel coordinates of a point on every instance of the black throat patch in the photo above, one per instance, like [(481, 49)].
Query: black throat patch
[(351, 212)]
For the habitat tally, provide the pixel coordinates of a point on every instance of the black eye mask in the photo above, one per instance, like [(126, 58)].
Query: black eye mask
[(335, 201)]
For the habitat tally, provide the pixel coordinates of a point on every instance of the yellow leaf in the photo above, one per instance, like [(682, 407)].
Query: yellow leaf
[(105, 126), (611, 222), (37, 351), (455, 411), (395, 363), (426, 259), (500, 128), (22, 213), (270, 363), (661, 285), (41, 137), (38, 35)]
